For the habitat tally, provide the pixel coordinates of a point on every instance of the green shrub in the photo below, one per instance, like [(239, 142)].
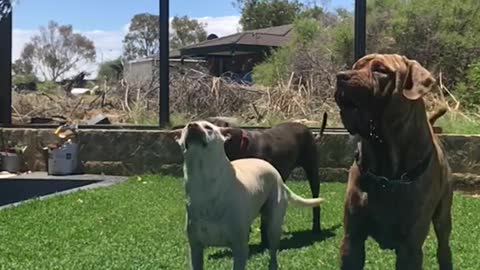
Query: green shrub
[(47, 86), (305, 30), (469, 90), (274, 69), (25, 82), (278, 66), (110, 71), (343, 43)]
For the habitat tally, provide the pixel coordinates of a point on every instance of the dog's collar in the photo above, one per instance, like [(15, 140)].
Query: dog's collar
[(243, 141), (406, 178)]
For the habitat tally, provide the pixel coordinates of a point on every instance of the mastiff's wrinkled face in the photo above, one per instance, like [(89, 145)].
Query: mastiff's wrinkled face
[(379, 88)]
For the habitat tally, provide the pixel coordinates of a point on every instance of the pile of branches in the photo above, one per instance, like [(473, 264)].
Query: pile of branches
[(193, 93), (197, 94), (60, 105)]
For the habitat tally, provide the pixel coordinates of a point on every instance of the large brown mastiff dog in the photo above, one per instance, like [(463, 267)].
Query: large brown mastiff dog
[(400, 179)]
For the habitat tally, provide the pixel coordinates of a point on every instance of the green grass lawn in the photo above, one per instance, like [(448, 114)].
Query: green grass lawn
[(139, 224)]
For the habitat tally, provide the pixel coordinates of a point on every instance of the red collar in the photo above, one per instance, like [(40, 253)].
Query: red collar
[(244, 141)]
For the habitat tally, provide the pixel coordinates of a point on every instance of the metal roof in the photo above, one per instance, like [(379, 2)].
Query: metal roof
[(252, 40)]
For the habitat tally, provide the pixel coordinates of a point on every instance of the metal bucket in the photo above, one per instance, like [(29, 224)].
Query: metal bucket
[(12, 162)]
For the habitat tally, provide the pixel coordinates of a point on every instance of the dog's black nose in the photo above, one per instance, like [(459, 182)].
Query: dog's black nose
[(343, 76), (192, 125)]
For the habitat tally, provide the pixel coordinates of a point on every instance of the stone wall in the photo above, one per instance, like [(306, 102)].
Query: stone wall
[(130, 152)]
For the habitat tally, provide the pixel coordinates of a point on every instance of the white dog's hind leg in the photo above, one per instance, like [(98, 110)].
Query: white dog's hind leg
[(240, 255), (274, 231), (196, 257), (264, 220)]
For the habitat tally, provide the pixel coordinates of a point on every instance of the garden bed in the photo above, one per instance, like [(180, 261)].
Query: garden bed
[(19, 188)]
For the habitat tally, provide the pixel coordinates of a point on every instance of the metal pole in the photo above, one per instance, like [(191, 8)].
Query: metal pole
[(164, 106), (6, 69), (360, 28)]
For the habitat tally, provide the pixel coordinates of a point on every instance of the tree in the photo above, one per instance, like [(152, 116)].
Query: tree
[(111, 70), (57, 50), (22, 66), (257, 14), (186, 31), (445, 38), (142, 39), (343, 38)]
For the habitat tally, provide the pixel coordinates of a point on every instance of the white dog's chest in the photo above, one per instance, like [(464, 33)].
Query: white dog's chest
[(210, 233), (208, 226)]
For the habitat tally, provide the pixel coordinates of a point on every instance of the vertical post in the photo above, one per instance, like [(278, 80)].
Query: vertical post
[(164, 106), (360, 28), (6, 69)]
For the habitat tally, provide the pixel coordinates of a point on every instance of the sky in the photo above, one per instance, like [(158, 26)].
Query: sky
[(106, 21)]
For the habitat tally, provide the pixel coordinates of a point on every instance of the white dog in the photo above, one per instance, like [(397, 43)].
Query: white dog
[(224, 198)]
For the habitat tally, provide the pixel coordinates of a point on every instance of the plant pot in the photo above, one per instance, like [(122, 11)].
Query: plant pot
[(12, 162)]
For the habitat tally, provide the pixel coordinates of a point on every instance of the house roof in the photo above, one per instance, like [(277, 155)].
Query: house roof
[(171, 60), (249, 41)]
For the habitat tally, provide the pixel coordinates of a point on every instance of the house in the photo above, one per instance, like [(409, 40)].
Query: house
[(233, 55), (143, 70), (237, 54)]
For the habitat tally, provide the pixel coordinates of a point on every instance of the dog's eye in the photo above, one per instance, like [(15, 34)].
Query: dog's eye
[(380, 69), (208, 127), (380, 76)]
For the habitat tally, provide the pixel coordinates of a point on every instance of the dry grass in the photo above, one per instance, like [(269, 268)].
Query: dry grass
[(194, 95)]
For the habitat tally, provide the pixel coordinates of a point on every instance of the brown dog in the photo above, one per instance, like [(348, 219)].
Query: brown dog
[(400, 179), (285, 146)]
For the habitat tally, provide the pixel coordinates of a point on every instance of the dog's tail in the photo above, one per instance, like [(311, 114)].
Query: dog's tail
[(300, 201), (322, 128), (437, 114)]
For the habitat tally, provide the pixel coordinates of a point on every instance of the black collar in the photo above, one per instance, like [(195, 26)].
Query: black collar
[(408, 177)]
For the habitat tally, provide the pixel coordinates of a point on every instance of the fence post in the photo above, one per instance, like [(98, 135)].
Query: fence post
[(164, 97), (360, 28), (6, 69)]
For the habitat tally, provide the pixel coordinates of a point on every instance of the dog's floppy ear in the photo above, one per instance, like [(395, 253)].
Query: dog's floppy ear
[(174, 134), (226, 132), (418, 81)]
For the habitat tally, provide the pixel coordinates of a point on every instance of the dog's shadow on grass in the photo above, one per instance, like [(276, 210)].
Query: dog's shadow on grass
[(298, 239)]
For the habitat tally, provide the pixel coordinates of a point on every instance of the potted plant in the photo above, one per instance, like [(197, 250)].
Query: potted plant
[(12, 157)]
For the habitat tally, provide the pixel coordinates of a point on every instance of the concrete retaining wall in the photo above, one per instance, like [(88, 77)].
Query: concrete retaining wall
[(130, 152)]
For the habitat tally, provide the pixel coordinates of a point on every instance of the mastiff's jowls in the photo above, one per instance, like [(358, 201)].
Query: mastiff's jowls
[(400, 179)]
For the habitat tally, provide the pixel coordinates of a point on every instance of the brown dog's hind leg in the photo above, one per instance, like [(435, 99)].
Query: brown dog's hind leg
[(312, 174), (309, 163), (442, 224)]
